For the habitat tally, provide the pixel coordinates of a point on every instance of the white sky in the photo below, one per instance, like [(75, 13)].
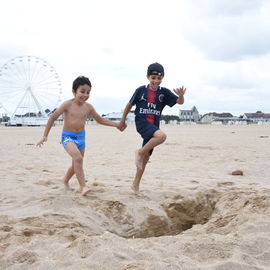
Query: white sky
[(218, 49)]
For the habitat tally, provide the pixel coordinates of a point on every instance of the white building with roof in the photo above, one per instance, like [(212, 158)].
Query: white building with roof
[(218, 118), (257, 117), (189, 115)]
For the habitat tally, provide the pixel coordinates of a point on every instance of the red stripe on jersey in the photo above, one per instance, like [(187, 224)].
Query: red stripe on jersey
[(151, 97)]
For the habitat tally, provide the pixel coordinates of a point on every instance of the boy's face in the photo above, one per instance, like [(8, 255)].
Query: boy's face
[(82, 93), (155, 81)]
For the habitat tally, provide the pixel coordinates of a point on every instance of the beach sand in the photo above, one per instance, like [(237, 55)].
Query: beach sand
[(191, 214)]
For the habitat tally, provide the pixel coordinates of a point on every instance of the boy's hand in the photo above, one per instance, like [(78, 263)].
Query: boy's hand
[(122, 126), (42, 141), (180, 91)]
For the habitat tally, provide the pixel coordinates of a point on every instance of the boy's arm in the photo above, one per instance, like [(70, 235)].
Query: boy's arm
[(125, 113), (180, 92), (50, 122), (101, 120)]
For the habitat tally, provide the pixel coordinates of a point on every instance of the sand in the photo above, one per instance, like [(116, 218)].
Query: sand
[(191, 214)]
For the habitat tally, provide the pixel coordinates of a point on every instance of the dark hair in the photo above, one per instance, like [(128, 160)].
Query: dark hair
[(81, 80)]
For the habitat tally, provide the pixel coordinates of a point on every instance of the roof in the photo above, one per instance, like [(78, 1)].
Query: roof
[(258, 115), (194, 109), (219, 114)]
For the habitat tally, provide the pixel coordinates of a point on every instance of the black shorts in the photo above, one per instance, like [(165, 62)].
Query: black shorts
[(146, 130)]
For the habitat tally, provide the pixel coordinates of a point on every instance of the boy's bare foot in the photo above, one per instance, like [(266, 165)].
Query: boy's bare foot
[(138, 160), (85, 191), (135, 189)]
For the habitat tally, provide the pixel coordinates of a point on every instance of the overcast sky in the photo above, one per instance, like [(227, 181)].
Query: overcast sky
[(218, 49)]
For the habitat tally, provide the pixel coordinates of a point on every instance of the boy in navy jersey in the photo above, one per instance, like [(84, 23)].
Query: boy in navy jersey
[(150, 101)]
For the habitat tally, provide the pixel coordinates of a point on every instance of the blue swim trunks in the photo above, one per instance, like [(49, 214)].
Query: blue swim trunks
[(75, 137)]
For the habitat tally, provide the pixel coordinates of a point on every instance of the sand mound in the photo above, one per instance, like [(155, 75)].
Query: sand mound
[(206, 226), (191, 218)]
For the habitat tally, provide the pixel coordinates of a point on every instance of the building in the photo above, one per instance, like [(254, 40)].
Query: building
[(117, 116), (257, 117), (189, 115), (217, 118)]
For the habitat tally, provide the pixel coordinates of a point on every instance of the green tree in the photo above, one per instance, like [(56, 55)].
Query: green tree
[(168, 118)]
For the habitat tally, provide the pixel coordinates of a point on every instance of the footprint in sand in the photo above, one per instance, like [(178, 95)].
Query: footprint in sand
[(225, 183), (194, 182), (45, 183), (96, 184), (23, 256)]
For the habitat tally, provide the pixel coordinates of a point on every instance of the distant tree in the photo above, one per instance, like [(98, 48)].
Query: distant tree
[(259, 112), (168, 118)]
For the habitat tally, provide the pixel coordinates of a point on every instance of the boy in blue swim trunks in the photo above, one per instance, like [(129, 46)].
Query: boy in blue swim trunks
[(75, 112), (150, 101)]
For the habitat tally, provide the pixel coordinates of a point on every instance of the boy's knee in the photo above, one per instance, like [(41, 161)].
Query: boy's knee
[(162, 136), (78, 159)]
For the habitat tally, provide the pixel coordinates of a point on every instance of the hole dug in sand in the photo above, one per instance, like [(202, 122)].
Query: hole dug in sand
[(220, 212), (185, 213), (174, 216)]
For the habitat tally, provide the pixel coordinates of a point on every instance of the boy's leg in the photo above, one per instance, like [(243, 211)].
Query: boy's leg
[(158, 138), (139, 173), (67, 177), (77, 162), (70, 172)]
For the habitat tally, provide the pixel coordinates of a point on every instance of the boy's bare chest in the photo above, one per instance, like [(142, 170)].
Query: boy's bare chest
[(77, 112)]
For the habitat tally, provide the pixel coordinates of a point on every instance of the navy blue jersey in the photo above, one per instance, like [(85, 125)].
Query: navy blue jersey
[(163, 97)]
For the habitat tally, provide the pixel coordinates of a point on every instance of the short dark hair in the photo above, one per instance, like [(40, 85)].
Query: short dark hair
[(81, 80)]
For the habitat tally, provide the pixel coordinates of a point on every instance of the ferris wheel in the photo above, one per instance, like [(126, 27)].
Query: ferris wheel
[(29, 87)]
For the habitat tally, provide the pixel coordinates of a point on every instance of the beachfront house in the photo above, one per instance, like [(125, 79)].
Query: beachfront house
[(217, 118), (260, 118), (189, 115)]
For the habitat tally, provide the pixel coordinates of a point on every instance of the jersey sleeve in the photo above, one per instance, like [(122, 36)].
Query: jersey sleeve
[(170, 97), (135, 98)]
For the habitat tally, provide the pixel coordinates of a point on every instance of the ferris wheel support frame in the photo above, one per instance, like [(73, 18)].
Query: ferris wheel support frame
[(35, 100)]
